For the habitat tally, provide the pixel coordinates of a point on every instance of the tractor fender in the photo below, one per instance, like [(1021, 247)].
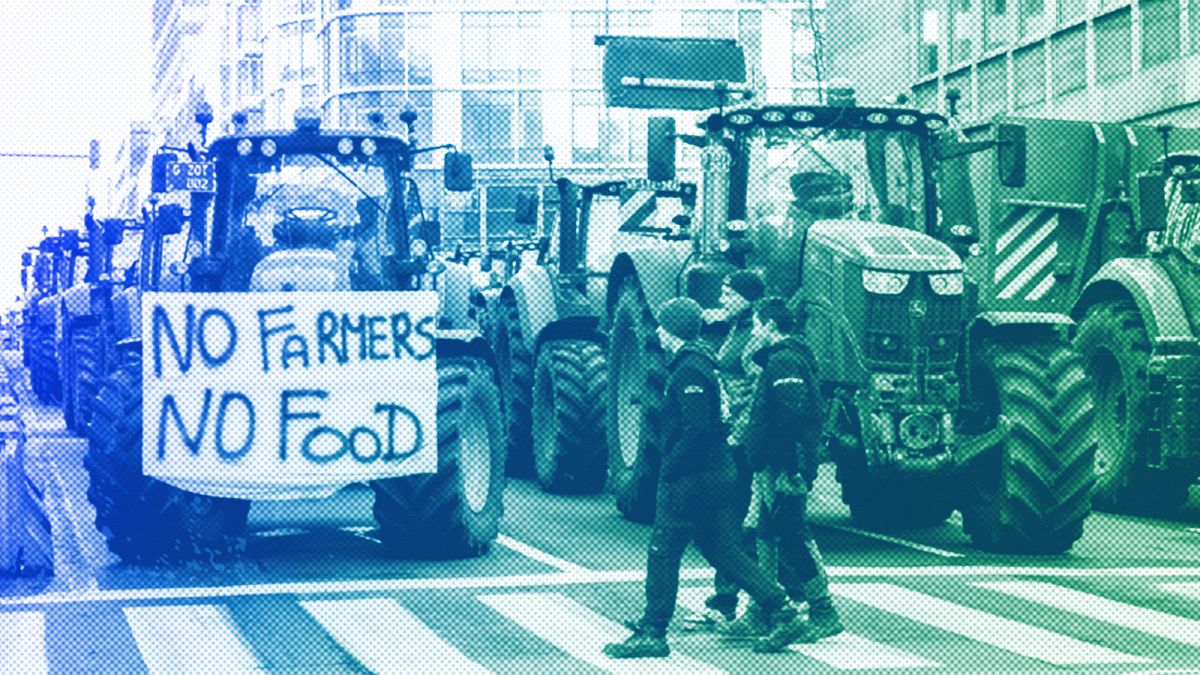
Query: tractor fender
[(658, 272), (532, 290), (77, 302), (454, 294), (127, 314), (1152, 290), (464, 342)]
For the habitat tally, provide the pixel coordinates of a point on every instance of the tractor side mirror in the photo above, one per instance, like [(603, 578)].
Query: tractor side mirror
[(526, 211), (114, 231), (458, 174), (158, 170), (660, 149), (26, 259), (1011, 154), (169, 220)]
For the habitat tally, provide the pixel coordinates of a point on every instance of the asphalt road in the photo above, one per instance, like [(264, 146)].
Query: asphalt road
[(313, 592)]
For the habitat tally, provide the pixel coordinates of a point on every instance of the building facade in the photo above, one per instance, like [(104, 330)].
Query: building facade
[(1104, 60)]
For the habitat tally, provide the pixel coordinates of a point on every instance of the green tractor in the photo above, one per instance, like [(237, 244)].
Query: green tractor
[(942, 398), (307, 341), (1102, 225)]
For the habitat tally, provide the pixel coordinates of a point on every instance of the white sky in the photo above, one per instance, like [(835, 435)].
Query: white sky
[(70, 71)]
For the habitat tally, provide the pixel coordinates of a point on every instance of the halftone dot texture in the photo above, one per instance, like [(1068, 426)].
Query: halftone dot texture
[(527, 550)]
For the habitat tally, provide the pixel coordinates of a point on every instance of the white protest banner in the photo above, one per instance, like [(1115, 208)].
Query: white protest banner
[(287, 395)]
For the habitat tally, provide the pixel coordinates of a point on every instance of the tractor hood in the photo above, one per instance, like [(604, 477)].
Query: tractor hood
[(883, 247)]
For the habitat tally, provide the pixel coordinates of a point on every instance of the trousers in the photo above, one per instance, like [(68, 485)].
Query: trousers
[(699, 508)]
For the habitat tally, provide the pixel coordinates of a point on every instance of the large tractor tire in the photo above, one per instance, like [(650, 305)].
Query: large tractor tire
[(1116, 354), (88, 360), (1032, 492), (569, 448), (145, 520), (636, 380), (456, 512), (515, 365), (67, 375), (49, 387)]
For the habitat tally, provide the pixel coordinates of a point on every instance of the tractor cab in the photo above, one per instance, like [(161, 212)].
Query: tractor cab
[(1178, 180), (313, 209)]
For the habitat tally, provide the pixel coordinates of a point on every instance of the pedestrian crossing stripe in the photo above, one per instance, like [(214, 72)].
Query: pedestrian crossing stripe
[(381, 634), (23, 635)]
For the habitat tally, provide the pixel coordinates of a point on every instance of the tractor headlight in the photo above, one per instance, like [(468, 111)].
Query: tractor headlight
[(950, 283), (884, 283)]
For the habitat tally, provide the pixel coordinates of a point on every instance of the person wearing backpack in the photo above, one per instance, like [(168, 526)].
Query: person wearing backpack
[(696, 493), (783, 438)]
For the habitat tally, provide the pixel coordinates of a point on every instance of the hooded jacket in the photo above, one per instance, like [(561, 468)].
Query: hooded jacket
[(694, 433), (788, 410)]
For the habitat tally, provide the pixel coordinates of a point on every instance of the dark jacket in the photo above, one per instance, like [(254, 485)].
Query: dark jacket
[(694, 432), (788, 410)]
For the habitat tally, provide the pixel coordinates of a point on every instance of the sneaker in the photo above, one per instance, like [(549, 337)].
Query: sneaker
[(709, 619), (752, 624), (800, 631), (639, 646)]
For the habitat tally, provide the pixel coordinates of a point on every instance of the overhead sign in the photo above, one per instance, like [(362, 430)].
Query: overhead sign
[(287, 395), (192, 176)]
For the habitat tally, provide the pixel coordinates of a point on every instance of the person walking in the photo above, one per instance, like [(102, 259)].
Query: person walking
[(738, 295), (695, 493), (783, 436)]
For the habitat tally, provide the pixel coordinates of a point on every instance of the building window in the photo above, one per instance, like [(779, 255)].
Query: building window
[(1029, 76), (501, 48), (1069, 51), (249, 25), (1194, 24), (708, 23), (998, 28), (1033, 18), (1070, 11), (1160, 31), (963, 32), (387, 50), (300, 50), (587, 114), (250, 81), (1114, 51), (585, 54), (502, 127), (993, 87)]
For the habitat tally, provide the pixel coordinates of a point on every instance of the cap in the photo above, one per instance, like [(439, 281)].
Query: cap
[(747, 284), (681, 317)]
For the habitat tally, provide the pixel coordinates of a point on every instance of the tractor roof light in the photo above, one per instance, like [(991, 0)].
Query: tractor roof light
[(345, 146), (877, 118), (741, 120), (906, 119), (803, 116), (773, 116), (418, 248), (268, 147), (884, 283), (244, 147), (368, 146)]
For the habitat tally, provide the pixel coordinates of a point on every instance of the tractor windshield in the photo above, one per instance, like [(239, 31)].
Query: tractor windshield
[(797, 176), (1183, 206)]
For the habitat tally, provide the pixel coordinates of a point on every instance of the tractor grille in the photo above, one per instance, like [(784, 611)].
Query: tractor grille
[(898, 324)]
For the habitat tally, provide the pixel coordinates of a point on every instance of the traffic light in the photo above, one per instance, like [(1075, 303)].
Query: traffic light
[(94, 154)]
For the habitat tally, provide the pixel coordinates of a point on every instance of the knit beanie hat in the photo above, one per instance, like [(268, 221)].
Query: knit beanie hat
[(681, 317), (747, 284)]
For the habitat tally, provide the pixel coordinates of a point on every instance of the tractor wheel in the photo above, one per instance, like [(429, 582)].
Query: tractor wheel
[(1116, 353), (46, 363), (143, 519), (454, 513), (67, 374), (88, 367), (890, 502), (1032, 492), (515, 365), (637, 376), (570, 381)]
